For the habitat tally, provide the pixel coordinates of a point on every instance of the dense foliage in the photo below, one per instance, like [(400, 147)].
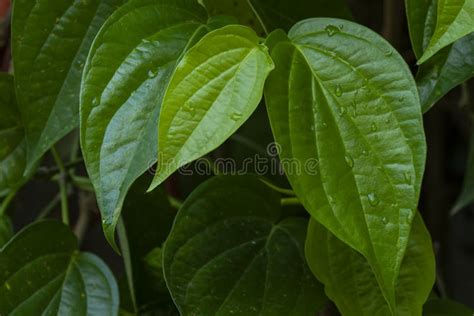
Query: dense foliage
[(156, 86)]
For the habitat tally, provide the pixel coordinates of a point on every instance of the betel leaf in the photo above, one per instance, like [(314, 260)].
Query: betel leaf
[(421, 16), (341, 96), (126, 74), (445, 307), (257, 269), (268, 15), (447, 69), (147, 220), (42, 272), (216, 87), (455, 19), (351, 284), (6, 229), (12, 138), (51, 39)]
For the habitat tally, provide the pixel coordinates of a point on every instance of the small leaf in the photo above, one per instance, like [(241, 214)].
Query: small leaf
[(12, 138), (41, 271), (444, 307), (257, 269), (50, 43), (147, 220), (342, 97), (351, 284), (455, 19), (421, 15), (272, 14), (6, 230), (126, 75), (215, 88), (447, 69), (467, 194)]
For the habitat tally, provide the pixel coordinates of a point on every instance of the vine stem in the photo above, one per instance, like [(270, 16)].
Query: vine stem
[(290, 201), (6, 202), (278, 189), (62, 186)]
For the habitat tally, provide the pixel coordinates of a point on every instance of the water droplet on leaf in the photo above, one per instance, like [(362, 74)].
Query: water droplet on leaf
[(236, 116), (151, 74), (373, 199), (338, 90), (349, 161), (407, 176), (385, 220), (95, 101), (389, 53), (332, 29)]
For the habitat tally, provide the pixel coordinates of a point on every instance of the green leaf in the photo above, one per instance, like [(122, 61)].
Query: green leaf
[(125, 77), (147, 220), (447, 69), (51, 39), (272, 14), (215, 88), (42, 272), (421, 15), (12, 138), (444, 307), (467, 193), (257, 269), (351, 284), (455, 19), (6, 230), (343, 105)]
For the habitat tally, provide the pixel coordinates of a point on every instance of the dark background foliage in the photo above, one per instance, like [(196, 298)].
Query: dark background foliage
[(448, 130)]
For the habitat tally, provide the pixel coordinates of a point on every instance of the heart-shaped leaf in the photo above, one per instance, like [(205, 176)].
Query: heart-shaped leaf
[(125, 77), (42, 272), (215, 88), (257, 269), (454, 19), (50, 42), (351, 284), (341, 98), (12, 138)]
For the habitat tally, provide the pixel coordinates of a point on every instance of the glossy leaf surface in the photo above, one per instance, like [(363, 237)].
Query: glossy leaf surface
[(257, 269), (268, 15), (455, 19), (41, 271), (351, 284), (6, 230), (342, 99), (215, 88), (444, 307), (12, 138), (449, 67), (51, 39), (126, 74)]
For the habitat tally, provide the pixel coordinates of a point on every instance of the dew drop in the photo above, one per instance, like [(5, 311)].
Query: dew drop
[(324, 125), (401, 98), (7, 285), (338, 90), (373, 199), (342, 111), (236, 116), (95, 101), (385, 220), (349, 161), (332, 29), (365, 152), (373, 127), (389, 53), (151, 74)]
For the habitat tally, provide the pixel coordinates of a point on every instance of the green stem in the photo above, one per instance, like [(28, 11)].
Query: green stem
[(127, 260), (51, 205), (6, 202), (290, 201), (278, 189), (249, 2), (62, 186), (175, 203)]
